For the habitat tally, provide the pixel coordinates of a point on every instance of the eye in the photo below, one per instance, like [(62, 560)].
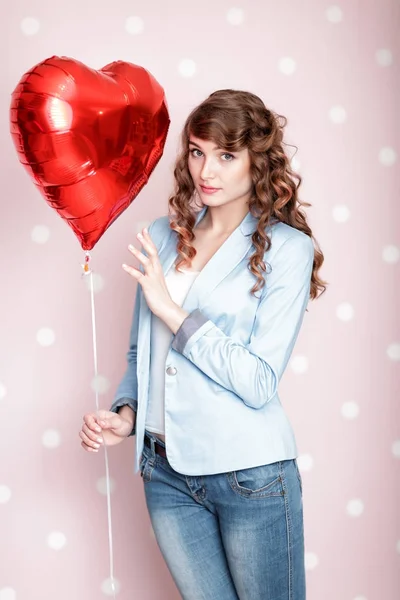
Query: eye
[(194, 150), (223, 154)]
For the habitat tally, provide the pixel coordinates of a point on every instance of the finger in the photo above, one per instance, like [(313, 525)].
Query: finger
[(88, 448), (134, 272), (101, 415), (90, 420), (88, 441), (111, 422), (147, 242), (94, 436), (147, 236), (139, 255)]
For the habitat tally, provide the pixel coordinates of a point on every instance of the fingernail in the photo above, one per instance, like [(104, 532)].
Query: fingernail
[(102, 423), (139, 235), (145, 230), (98, 429), (124, 266), (100, 440)]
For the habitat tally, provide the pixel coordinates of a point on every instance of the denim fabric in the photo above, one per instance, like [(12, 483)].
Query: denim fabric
[(230, 536)]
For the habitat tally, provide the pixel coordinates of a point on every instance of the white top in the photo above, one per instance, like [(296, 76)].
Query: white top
[(178, 285)]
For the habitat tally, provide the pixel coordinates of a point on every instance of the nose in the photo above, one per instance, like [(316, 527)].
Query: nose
[(207, 172)]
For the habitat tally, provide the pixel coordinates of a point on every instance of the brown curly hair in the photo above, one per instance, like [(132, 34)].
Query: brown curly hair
[(235, 120)]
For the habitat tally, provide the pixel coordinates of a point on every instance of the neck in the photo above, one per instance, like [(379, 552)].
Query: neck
[(222, 220)]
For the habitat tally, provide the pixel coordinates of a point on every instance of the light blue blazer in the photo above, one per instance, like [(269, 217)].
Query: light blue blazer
[(222, 407)]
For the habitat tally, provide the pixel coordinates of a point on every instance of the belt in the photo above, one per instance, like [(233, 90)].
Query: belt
[(157, 447)]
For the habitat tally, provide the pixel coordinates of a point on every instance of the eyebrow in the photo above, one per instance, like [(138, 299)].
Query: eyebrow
[(194, 144)]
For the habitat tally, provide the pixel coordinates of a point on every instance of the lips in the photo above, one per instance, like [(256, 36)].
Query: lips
[(209, 189)]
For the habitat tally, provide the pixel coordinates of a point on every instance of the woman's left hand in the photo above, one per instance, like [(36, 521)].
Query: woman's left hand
[(152, 280)]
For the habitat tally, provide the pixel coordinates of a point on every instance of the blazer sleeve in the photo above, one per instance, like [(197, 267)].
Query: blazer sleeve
[(127, 391), (253, 371)]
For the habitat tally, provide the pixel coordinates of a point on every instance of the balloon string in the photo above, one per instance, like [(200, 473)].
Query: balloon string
[(87, 271)]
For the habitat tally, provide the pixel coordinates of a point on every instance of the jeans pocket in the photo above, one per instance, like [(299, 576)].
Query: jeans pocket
[(257, 482), (146, 467), (298, 475)]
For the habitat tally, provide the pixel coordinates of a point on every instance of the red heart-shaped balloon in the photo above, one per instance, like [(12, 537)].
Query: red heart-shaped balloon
[(89, 139)]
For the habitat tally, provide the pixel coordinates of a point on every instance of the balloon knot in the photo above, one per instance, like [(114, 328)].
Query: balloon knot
[(86, 267)]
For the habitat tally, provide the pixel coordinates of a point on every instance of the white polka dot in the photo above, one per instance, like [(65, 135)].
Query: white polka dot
[(337, 114), (398, 546), (393, 351), (3, 391), (134, 25), (334, 14), (396, 448), (45, 336), (355, 507), (350, 410), (310, 560), (391, 254), (98, 282), (345, 311), (51, 438), (287, 65), (305, 462), (387, 156), (101, 485), (235, 16), (384, 57), (5, 494), (40, 234), (30, 26), (108, 585), (341, 213), (100, 384), (56, 540), (299, 364), (187, 67), (8, 593), (295, 164)]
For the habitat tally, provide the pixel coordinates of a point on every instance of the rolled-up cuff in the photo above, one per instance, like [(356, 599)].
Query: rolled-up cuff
[(189, 326), (117, 404)]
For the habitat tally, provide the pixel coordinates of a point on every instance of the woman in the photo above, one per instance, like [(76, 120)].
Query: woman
[(215, 449)]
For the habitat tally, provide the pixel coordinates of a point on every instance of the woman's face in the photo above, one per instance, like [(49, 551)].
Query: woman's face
[(229, 172)]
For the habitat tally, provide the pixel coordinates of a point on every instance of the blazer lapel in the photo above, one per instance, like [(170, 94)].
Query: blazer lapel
[(224, 260)]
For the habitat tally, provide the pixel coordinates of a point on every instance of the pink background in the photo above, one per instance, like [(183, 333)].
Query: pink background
[(333, 71)]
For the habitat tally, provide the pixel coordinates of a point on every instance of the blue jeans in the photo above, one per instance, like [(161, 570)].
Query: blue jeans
[(230, 536)]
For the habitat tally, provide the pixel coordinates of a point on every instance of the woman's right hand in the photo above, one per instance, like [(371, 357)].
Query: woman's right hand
[(103, 425)]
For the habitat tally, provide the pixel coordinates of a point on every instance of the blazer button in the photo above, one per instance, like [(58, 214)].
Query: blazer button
[(171, 371)]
